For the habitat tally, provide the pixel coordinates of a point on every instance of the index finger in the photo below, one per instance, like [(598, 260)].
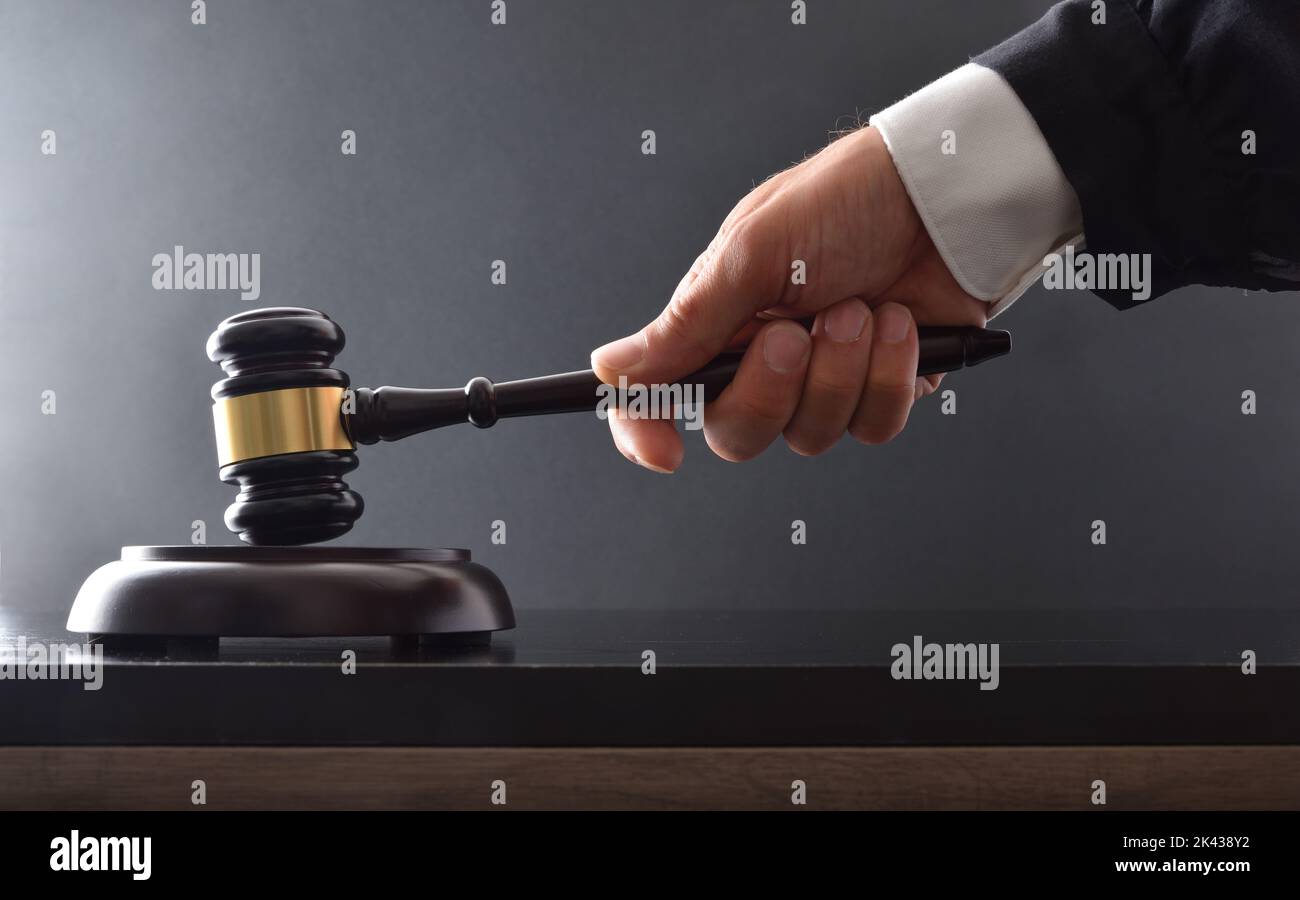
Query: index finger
[(734, 281)]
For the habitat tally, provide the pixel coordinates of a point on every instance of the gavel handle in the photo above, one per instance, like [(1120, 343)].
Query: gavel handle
[(392, 413)]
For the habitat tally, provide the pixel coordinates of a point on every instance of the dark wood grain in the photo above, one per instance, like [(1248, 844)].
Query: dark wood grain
[(839, 778)]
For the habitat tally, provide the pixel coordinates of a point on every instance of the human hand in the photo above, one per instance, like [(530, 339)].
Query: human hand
[(872, 274)]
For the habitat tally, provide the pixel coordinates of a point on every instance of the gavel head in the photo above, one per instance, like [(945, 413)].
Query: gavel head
[(279, 428)]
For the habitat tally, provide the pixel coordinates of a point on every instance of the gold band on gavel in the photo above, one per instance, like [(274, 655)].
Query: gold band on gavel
[(292, 420)]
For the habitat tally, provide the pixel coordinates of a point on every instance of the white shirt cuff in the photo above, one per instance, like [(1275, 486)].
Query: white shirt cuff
[(983, 180)]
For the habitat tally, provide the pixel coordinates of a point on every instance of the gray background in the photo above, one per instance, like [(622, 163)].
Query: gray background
[(523, 143)]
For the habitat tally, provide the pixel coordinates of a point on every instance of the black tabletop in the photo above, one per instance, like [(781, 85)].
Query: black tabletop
[(720, 678)]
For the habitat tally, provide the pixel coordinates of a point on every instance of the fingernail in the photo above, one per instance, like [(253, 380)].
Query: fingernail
[(620, 354), (638, 461), (785, 347), (894, 322), (845, 320)]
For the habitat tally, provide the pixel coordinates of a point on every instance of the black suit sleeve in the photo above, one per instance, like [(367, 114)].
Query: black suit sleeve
[(1146, 114)]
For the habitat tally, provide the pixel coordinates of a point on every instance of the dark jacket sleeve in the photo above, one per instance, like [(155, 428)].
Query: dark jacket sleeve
[(1146, 115)]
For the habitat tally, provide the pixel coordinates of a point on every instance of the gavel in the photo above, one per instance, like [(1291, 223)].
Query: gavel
[(288, 423)]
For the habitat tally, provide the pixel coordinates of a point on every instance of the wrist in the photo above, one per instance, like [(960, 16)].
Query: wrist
[(984, 182)]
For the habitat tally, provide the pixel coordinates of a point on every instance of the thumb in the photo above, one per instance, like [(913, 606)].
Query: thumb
[(728, 284)]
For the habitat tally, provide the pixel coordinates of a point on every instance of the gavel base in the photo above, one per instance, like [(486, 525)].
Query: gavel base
[(154, 596)]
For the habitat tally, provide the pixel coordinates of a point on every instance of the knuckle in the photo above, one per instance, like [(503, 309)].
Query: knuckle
[(678, 324), (764, 410), (836, 387), (742, 256), (739, 213), (675, 321), (891, 394)]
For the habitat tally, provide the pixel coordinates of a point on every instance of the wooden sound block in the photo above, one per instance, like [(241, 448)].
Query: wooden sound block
[(188, 592)]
